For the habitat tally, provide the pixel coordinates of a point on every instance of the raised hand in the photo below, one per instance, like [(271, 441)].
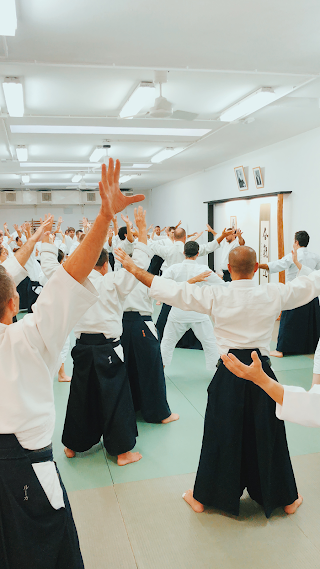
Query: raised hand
[(226, 233), (196, 236), (125, 218), (124, 259), (210, 230), (294, 253), (238, 232), (113, 200), (200, 278), (44, 229), (140, 218), (252, 372)]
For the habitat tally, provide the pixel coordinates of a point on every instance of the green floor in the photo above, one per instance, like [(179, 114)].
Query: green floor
[(133, 517)]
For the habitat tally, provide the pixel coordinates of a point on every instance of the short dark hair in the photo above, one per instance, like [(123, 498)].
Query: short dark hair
[(71, 229), (172, 227), (157, 226), (17, 239), (122, 232), (6, 290), (60, 256), (191, 249), (302, 237), (78, 231), (104, 258)]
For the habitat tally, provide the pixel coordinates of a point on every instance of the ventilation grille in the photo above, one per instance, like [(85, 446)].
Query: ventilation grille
[(128, 192), (10, 197), (91, 197), (46, 197)]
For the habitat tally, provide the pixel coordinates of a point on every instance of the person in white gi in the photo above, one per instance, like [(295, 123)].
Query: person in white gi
[(36, 523), (299, 329), (244, 316), (180, 321), (229, 243)]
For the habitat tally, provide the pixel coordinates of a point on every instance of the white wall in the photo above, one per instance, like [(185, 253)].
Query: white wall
[(71, 214), (289, 165)]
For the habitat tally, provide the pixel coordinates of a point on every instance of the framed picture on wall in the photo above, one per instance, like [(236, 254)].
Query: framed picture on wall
[(258, 180), (241, 178), (233, 221)]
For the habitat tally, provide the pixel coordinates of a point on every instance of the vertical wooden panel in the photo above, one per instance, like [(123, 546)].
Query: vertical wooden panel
[(282, 277), (210, 236)]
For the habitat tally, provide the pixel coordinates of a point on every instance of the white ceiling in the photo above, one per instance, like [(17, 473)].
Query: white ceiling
[(79, 60)]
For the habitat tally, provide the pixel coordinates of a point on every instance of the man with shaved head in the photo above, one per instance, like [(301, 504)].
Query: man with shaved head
[(244, 444)]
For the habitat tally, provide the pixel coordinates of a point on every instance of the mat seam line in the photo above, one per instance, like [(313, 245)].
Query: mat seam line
[(184, 396)]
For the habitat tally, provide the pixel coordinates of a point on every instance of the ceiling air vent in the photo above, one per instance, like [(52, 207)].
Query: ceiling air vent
[(91, 197), (10, 197), (128, 192), (46, 197)]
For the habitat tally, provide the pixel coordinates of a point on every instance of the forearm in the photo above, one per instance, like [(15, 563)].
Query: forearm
[(264, 266), (129, 234), (274, 389), (142, 276), (84, 258), (142, 236), (23, 254)]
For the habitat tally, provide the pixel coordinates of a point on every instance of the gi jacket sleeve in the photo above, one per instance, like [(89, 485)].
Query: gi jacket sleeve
[(123, 281), (13, 267), (49, 259), (300, 406), (300, 291), (208, 248), (184, 295), (60, 305), (280, 265)]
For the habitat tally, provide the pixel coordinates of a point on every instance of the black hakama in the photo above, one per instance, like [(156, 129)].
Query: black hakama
[(227, 277), (33, 535), (145, 368), (155, 265), (299, 329), (100, 401), (244, 445)]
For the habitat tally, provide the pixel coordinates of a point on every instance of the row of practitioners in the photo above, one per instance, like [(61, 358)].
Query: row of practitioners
[(26, 433)]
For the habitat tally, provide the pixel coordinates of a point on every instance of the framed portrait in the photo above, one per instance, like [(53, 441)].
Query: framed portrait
[(258, 180), (233, 221), (241, 178)]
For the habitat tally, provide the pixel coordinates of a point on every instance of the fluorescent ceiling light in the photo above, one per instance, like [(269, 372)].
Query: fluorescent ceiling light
[(257, 100), (140, 166), (8, 21), (110, 130), (13, 94), (143, 96), (125, 179), (76, 165), (77, 178), (64, 184), (97, 154), (25, 178), (22, 153), (165, 154)]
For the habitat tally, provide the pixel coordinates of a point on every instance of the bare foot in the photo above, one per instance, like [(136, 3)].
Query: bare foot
[(292, 508), (63, 377), (172, 417), (196, 506), (128, 457), (69, 453), (276, 354)]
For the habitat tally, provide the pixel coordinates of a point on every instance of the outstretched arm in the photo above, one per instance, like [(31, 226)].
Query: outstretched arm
[(23, 254), (84, 258), (240, 238), (254, 373)]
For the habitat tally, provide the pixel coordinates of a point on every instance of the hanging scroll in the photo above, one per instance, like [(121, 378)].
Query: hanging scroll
[(264, 241)]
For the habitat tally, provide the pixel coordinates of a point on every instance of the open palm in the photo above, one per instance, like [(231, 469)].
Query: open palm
[(113, 200)]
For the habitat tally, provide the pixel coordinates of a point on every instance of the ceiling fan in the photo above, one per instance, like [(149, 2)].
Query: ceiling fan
[(162, 108)]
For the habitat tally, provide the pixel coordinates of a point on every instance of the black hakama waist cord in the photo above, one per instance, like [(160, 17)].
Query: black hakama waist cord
[(145, 368), (33, 535), (244, 445), (100, 401), (299, 329)]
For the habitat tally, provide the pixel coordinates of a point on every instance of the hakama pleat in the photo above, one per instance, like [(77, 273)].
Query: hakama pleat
[(33, 534), (100, 401), (145, 367), (244, 445), (299, 329)]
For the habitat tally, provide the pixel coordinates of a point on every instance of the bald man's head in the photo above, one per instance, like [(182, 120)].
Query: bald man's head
[(179, 234), (243, 262)]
